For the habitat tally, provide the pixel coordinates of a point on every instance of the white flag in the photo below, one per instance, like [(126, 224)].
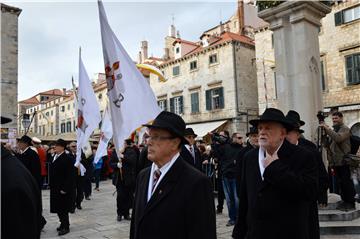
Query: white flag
[(106, 134), (88, 111), (132, 102)]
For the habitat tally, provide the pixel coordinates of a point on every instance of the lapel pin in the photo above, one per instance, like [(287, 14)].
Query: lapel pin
[(160, 191)]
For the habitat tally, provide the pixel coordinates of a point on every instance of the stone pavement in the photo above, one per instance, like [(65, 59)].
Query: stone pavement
[(97, 219)]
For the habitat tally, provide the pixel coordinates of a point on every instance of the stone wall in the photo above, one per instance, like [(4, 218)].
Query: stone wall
[(9, 63), (335, 43)]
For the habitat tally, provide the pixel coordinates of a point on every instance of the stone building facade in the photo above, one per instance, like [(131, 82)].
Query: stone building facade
[(55, 117), (211, 83), (9, 69), (340, 63)]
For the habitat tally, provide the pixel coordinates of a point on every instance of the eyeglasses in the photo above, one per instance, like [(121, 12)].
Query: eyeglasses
[(159, 138), (73, 146), (239, 137)]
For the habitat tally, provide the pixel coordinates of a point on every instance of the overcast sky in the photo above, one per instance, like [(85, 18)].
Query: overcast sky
[(50, 34)]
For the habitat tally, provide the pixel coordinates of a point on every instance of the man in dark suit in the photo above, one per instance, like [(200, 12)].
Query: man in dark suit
[(189, 151), (62, 180), (294, 137), (31, 161), (278, 184), (124, 178), (172, 198), (29, 158)]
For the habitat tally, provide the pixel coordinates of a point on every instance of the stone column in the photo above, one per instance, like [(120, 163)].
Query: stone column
[(296, 43)]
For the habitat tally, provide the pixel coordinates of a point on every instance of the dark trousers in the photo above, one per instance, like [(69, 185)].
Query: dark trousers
[(64, 219), (347, 191), (220, 195), (97, 173), (87, 187), (124, 199), (79, 190)]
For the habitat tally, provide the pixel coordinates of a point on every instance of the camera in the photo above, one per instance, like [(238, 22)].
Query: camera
[(321, 116), (217, 138)]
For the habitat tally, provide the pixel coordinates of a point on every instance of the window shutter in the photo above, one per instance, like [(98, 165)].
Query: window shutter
[(165, 105), (221, 96), (338, 18), (208, 99), (172, 105), (181, 104)]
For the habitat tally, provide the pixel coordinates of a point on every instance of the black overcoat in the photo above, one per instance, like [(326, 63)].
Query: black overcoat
[(62, 177), (278, 206), (186, 155), (31, 161), (20, 200), (182, 206)]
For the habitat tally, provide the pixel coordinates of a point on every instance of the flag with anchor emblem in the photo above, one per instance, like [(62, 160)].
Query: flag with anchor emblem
[(132, 101), (88, 114)]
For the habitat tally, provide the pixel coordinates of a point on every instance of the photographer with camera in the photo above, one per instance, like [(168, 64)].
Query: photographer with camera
[(225, 150), (339, 146)]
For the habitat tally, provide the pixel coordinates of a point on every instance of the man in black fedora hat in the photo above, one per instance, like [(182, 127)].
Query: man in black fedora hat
[(189, 152), (294, 136), (172, 198), (278, 184), (62, 181)]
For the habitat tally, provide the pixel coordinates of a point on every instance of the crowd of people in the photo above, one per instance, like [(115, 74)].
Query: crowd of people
[(272, 179)]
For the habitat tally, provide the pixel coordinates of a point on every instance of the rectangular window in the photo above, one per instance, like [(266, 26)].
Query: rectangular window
[(162, 104), (176, 70), (43, 129), (68, 106), (176, 105), (62, 127), (215, 98), (195, 102), (62, 108), (272, 41), (193, 65), (347, 15), (213, 59), (68, 126), (177, 50), (39, 129), (352, 69), (52, 128), (51, 113), (47, 113), (74, 126)]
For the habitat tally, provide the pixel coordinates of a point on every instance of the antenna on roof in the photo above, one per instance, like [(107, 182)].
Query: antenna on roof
[(172, 19)]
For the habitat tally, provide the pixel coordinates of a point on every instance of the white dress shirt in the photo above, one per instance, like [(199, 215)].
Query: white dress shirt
[(262, 156), (164, 169), (56, 156)]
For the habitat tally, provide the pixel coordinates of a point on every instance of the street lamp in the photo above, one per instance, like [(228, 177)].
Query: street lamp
[(26, 122)]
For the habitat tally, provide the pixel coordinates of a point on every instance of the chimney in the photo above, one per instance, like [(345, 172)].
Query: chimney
[(139, 57), (227, 28), (221, 27), (240, 14), (172, 31), (167, 53), (144, 50)]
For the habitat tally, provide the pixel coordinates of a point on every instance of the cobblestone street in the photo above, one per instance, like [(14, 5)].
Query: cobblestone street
[(97, 219)]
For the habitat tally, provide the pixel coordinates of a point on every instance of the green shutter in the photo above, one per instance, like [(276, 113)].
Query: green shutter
[(338, 18), (221, 96), (195, 102), (208, 99), (165, 105), (181, 104), (172, 105)]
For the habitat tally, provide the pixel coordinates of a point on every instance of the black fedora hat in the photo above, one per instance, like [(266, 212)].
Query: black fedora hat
[(190, 131), (5, 120), (294, 117), (273, 115), (253, 130), (60, 142), (25, 139), (170, 122)]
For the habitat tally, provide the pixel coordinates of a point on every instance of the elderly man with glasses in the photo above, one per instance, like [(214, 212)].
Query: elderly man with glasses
[(172, 198)]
